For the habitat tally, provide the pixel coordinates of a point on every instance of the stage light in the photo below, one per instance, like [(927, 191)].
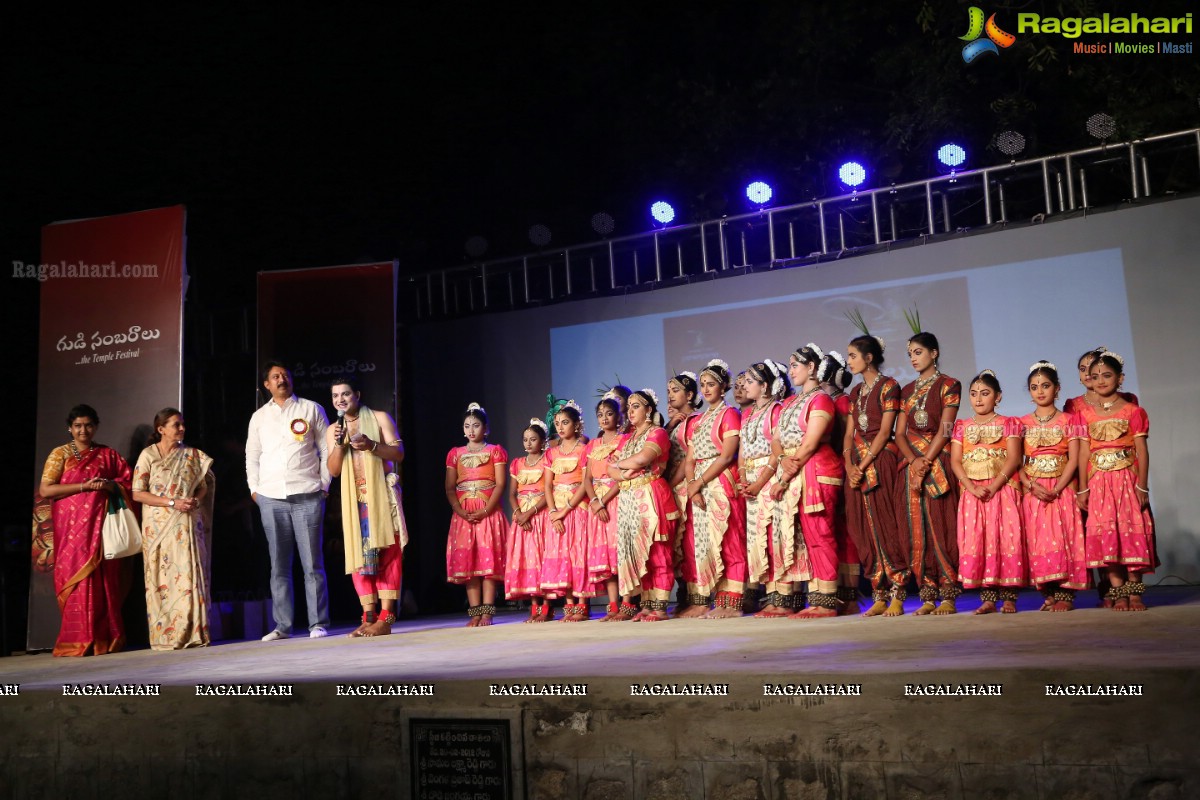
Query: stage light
[(1101, 126), (662, 212), (603, 223), (1010, 143), (539, 235), (759, 193), (852, 174), (951, 155), (476, 246)]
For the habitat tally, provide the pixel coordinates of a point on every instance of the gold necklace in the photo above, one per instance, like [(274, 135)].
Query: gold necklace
[(862, 402), (1040, 421), (535, 463), (920, 415)]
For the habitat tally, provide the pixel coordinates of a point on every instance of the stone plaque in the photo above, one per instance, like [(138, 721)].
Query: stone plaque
[(460, 759)]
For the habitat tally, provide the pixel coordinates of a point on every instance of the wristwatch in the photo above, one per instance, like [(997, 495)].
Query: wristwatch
[(171, 503)]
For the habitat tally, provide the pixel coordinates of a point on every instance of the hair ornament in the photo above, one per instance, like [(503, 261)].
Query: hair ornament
[(838, 357), (913, 318), (716, 362), (987, 372), (475, 407), (611, 395), (649, 394), (1041, 365), (534, 422), (574, 405), (1113, 356), (689, 374), (820, 353), (776, 370)]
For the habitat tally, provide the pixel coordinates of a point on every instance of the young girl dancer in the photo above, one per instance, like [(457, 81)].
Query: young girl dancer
[(527, 533), (474, 486), (927, 493), (835, 377), (602, 491), (646, 512), (1054, 536), (714, 551), (807, 483), (683, 398), (1114, 487), (872, 460), (765, 386), (564, 567), (985, 455), (1088, 398)]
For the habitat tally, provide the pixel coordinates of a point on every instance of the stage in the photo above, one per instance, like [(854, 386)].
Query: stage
[(959, 706)]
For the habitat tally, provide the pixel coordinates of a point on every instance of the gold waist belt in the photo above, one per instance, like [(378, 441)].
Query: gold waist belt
[(983, 463), (791, 451), (474, 489), (528, 500), (1113, 460), (1045, 466), (635, 483), (761, 461)]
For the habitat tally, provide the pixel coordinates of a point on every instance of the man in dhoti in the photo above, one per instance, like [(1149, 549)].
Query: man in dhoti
[(364, 451)]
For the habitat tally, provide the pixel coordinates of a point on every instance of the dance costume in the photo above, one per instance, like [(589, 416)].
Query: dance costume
[(476, 550)]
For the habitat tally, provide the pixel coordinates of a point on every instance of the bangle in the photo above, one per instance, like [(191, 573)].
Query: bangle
[(1140, 489), (1085, 491), (770, 467), (373, 446)]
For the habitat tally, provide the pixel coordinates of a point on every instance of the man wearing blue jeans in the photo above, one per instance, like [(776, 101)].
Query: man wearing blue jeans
[(286, 469)]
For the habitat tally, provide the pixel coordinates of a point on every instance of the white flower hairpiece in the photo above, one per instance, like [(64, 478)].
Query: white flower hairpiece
[(820, 353), (611, 395), (689, 374), (716, 362), (475, 407), (534, 422), (1040, 365), (882, 344), (838, 357), (574, 405), (987, 372), (648, 392), (1113, 356), (771, 365)]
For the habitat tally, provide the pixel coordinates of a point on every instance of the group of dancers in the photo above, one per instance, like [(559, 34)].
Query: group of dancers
[(800, 489)]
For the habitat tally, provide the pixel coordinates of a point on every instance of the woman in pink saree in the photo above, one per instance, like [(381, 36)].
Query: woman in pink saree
[(79, 477)]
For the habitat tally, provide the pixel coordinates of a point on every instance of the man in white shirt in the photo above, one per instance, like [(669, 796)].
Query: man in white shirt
[(286, 469)]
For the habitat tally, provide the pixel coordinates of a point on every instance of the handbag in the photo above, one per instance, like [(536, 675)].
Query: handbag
[(122, 536)]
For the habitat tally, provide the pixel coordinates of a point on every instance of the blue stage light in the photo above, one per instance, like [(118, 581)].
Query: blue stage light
[(852, 173), (759, 193), (662, 212), (951, 155)]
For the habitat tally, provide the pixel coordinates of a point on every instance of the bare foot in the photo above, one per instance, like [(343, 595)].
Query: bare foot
[(945, 608), (723, 613), (1048, 604), (927, 607), (358, 632), (484, 620), (651, 616), (848, 608), (1062, 605), (988, 607), (379, 627), (692, 612), (895, 608), (1121, 604), (876, 609), (473, 622), (814, 612), (1135, 603), (679, 609), (1008, 607), (771, 610), (1108, 602)]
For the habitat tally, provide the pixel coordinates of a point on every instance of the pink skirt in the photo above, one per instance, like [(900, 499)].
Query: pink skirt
[(476, 551), (1054, 539), (523, 570), (564, 563), (1119, 531), (602, 543), (991, 548)]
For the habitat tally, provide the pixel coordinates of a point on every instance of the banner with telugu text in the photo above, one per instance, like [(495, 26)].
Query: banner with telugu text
[(331, 321), (111, 337)]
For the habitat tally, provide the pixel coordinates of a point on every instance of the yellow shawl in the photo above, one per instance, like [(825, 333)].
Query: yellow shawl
[(384, 517)]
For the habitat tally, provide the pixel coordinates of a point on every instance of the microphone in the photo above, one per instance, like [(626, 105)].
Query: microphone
[(340, 439)]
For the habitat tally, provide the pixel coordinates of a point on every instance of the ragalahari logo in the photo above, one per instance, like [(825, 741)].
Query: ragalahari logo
[(976, 27)]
